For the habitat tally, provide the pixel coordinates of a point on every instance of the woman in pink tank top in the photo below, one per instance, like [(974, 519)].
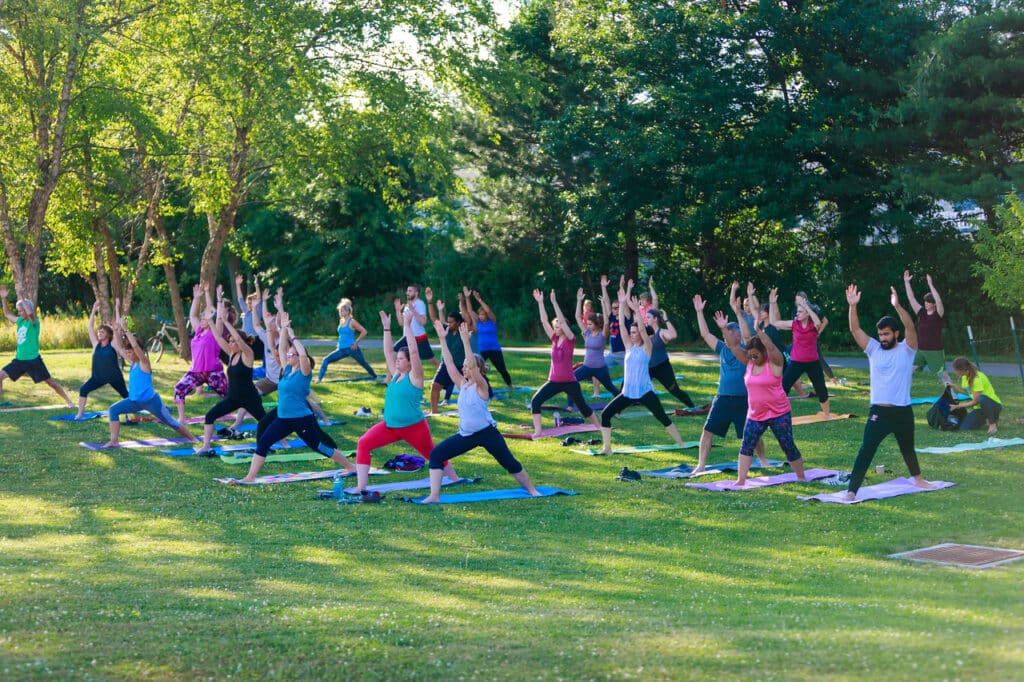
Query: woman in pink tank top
[(767, 404), (803, 358), (206, 366)]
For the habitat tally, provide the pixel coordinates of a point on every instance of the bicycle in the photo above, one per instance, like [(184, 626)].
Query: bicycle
[(155, 344)]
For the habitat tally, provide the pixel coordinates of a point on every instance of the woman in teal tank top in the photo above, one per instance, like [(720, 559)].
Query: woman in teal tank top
[(403, 417)]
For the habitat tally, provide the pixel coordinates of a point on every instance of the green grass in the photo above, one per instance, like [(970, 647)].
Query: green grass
[(131, 565)]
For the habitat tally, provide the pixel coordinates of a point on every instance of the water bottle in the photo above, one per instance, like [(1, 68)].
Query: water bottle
[(558, 419), (339, 487)]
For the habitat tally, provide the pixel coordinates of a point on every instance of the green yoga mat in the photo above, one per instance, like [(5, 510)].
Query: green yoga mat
[(638, 448)]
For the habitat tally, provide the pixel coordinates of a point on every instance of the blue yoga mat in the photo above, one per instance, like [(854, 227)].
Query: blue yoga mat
[(488, 495), (685, 470), (237, 447), (415, 484), (86, 416)]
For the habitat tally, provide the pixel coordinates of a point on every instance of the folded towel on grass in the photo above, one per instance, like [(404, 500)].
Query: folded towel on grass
[(966, 447)]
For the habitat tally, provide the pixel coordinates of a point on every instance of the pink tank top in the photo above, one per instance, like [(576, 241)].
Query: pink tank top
[(561, 359), (805, 342), (765, 397), (205, 352)]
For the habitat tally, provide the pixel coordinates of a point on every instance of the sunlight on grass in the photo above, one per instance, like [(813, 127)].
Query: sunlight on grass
[(102, 460), (208, 593), (22, 510)]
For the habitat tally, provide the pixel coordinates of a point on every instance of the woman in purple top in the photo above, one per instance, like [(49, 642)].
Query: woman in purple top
[(595, 336), (206, 366), (561, 378)]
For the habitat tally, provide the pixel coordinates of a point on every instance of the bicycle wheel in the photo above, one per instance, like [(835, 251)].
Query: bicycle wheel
[(155, 348)]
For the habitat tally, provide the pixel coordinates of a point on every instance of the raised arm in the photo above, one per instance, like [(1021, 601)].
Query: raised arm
[(305, 366), (604, 292), (132, 341), (668, 333), (734, 300), (486, 308), (428, 295), (914, 305), (93, 339), (539, 298), (389, 351), (729, 339), (654, 294), (737, 308), (852, 299), (773, 311), (566, 329), (624, 309), (634, 305), (244, 348), (578, 318), (193, 311), (815, 320), (239, 295), (454, 373), (939, 308), (702, 325), (466, 308), (7, 311), (908, 323), (606, 313), (218, 327), (416, 366)]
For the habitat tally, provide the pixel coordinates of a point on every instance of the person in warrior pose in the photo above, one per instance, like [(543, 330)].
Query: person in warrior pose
[(106, 366)]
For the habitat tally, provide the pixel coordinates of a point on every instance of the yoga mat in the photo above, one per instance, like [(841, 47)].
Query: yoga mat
[(235, 447), (686, 471), (692, 411), (347, 381), (639, 448), (140, 444), (929, 401), (307, 456), (989, 444), (820, 417), (880, 491), (572, 408), (449, 413), (488, 495), (415, 484), (763, 481), (517, 389), (300, 476), (86, 416), (555, 432)]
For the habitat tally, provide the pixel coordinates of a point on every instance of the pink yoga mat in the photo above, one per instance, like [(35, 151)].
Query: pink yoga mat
[(763, 481), (555, 432), (880, 491)]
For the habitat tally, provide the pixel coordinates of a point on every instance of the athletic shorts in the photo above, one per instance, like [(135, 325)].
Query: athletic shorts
[(725, 410), (34, 368)]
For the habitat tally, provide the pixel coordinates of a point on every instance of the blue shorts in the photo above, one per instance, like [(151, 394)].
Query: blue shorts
[(725, 410)]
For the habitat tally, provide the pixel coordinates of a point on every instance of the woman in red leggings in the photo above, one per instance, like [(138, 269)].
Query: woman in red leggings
[(403, 416)]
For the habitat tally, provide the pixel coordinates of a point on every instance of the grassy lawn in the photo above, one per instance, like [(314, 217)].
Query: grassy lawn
[(132, 564)]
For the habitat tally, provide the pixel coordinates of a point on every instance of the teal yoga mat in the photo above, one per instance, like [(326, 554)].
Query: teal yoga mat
[(489, 495)]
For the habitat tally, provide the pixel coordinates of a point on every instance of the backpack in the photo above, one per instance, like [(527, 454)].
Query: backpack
[(405, 463), (942, 415)]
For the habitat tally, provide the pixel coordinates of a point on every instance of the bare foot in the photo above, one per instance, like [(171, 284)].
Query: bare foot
[(110, 445), (430, 499), (993, 428), (850, 497), (243, 481), (603, 452), (921, 483), (537, 434)]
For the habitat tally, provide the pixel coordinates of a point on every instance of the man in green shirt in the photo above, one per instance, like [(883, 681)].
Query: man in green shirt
[(26, 357)]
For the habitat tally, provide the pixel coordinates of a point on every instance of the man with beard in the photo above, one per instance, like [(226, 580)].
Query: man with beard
[(891, 364), (414, 303)]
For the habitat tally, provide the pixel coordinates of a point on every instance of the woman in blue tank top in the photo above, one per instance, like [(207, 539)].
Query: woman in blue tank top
[(348, 343), (477, 427), (293, 412), (141, 395), (487, 337)]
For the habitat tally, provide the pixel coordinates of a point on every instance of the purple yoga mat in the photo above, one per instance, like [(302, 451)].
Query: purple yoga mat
[(763, 481), (553, 433), (880, 491)]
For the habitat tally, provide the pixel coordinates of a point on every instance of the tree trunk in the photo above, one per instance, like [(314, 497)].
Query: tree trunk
[(180, 321), (101, 287), (632, 250)]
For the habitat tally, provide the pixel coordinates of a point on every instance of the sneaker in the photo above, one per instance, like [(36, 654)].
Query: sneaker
[(570, 440), (364, 412), (370, 497), (628, 474), (837, 480), (224, 431)]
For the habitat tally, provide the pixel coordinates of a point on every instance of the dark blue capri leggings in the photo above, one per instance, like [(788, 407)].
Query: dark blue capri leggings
[(553, 388), (489, 439), (794, 370), (305, 428), (781, 426), (621, 402)]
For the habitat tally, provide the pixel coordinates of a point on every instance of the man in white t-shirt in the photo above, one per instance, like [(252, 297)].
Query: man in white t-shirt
[(419, 319), (891, 364)]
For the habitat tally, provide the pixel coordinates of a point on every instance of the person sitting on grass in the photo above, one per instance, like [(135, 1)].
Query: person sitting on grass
[(477, 427), (106, 368), (293, 412), (27, 359), (767, 404), (987, 405), (637, 387), (891, 366), (141, 394)]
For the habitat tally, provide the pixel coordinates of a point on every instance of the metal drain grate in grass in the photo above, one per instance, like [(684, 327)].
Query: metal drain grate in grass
[(968, 556)]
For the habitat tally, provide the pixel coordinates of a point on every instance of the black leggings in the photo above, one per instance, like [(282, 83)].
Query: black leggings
[(882, 421), (794, 370), (552, 388), (489, 439), (305, 428), (497, 360), (667, 376), (252, 404), (116, 382), (267, 420), (600, 373), (621, 402)]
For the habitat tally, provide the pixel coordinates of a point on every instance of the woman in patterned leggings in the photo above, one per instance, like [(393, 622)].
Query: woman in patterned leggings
[(767, 404)]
